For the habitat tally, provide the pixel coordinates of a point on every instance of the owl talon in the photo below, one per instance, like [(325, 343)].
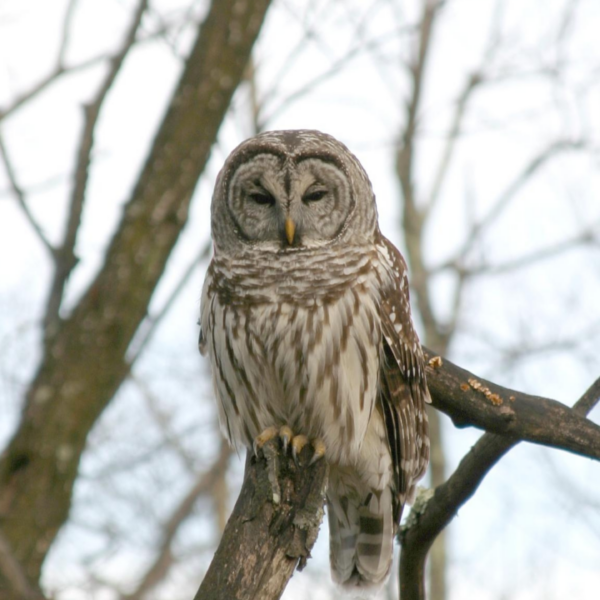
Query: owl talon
[(298, 443), (319, 448), (260, 440), (285, 434)]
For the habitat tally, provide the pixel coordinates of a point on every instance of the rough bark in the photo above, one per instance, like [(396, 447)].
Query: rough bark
[(472, 401), (264, 541), (84, 362)]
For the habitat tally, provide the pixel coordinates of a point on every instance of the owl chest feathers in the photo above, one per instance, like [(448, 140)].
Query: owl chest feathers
[(297, 343)]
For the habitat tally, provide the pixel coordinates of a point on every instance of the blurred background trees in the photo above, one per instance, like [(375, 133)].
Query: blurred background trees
[(479, 124)]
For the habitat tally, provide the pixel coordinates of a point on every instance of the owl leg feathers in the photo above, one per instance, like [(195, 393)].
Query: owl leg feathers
[(361, 538), (288, 439)]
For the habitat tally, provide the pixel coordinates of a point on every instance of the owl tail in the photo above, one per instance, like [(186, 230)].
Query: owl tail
[(361, 540)]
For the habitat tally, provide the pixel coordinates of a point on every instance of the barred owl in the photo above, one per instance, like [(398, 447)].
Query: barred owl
[(305, 318)]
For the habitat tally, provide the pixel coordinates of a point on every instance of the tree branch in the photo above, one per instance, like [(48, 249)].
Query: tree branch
[(149, 326), (426, 522), (535, 164), (263, 541), (164, 558), (21, 201), (472, 401), (65, 259), (13, 574), (254, 552)]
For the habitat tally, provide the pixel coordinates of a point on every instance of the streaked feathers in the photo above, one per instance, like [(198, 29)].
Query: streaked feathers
[(315, 332)]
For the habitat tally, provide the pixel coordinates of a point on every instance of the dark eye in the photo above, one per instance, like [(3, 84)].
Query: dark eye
[(314, 196), (262, 198)]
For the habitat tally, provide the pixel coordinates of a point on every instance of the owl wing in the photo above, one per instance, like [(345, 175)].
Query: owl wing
[(204, 310), (403, 389)]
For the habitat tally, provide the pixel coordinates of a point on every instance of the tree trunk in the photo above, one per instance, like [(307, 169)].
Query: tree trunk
[(84, 362)]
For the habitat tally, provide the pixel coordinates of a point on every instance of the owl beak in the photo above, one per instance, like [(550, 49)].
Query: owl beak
[(290, 230)]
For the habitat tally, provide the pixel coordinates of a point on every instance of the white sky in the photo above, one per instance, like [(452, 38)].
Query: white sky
[(531, 531)]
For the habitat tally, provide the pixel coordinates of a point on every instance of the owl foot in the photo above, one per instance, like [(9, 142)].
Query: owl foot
[(298, 443), (288, 439), (286, 436)]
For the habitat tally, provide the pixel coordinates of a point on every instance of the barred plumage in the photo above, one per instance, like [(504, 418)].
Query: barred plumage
[(306, 319)]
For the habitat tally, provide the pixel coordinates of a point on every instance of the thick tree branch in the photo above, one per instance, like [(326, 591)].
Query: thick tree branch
[(10, 569), (254, 553), (150, 324), (84, 365), (265, 541), (426, 522), (471, 400)]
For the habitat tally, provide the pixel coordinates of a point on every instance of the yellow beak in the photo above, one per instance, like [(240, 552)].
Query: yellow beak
[(290, 230)]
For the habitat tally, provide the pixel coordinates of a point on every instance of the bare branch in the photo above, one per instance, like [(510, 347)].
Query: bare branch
[(590, 235), (413, 216), (413, 223), (65, 256), (83, 366), (335, 67), (46, 81), (21, 201), (60, 69), (64, 38), (430, 519), (510, 193), (455, 128), (164, 558)]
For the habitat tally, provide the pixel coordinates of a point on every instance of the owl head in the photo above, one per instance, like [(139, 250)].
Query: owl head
[(286, 191)]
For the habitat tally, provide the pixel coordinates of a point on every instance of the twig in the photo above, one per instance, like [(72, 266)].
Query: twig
[(64, 38), (413, 217), (509, 194), (65, 256), (335, 67), (21, 201), (46, 81), (164, 558), (473, 81)]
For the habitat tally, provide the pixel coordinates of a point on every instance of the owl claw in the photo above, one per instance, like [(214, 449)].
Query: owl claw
[(298, 443), (319, 448), (260, 440), (285, 434), (287, 437), (272, 455)]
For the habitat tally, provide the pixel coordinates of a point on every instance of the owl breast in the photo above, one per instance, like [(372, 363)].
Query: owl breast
[(281, 355)]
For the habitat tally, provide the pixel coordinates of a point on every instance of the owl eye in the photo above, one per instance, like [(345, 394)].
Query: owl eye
[(314, 196), (262, 198)]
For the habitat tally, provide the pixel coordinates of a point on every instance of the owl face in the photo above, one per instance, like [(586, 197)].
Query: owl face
[(279, 202), (289, 190)]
